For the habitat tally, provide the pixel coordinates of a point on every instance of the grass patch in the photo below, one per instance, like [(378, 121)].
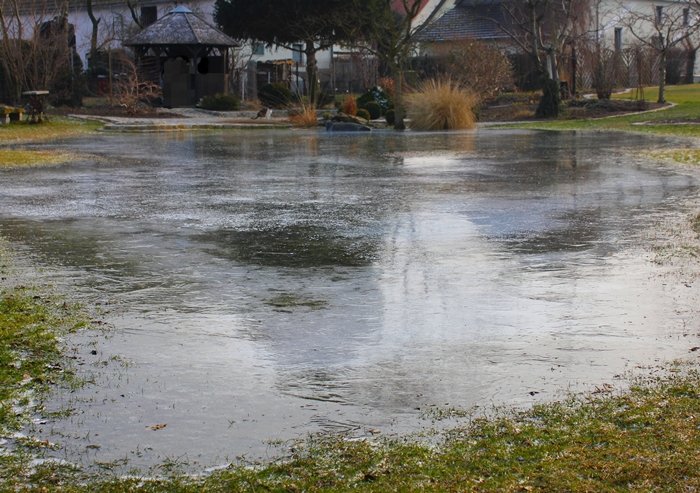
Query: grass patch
[(57, 128), (31, 361), (684, 156)]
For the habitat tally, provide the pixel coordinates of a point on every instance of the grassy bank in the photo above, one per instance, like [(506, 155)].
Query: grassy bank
[(14, 135), (57, 128), (687, 99)]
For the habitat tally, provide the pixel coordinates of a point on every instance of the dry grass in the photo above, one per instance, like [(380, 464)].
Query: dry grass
[(683, 156), (442, 105), (304, 117)]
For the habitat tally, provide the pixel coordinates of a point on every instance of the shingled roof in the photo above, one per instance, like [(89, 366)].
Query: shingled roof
[(181, 26), (466, 21)]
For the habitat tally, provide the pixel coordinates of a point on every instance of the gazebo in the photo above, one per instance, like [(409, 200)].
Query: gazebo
[(186, 54)]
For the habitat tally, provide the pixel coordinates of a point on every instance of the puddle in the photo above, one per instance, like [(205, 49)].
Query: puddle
[(264, 285)]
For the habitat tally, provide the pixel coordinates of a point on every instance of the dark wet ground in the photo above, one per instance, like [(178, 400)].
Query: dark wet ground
[(264, 285)]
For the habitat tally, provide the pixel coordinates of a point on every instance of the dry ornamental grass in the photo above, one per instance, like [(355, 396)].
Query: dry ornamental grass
[(442, 105), (304, 117)]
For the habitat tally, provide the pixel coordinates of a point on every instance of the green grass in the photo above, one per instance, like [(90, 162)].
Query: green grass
[(687, 97), (56, 128)]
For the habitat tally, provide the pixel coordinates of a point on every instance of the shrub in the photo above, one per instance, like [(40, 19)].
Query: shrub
[(374, 110), (387, 83), (378, 95), (275, 95), (324, 99), (349, 106), (390, 117), (221, 102), (326, 115), (484, 69), (362, 113), (442, 105)]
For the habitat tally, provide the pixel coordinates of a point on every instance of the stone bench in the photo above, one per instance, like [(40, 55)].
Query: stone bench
[(9, 114)]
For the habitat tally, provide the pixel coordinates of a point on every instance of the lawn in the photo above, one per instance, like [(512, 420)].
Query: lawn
[(15, 135), (686, 97), (58, 128)]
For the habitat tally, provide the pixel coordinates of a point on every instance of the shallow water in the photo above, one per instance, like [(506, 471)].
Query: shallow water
[(264, 285)]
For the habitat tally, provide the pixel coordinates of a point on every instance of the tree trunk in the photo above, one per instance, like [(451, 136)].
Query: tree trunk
[(399, 112), (93, 38), (550, 103), (311, 72), (690, 54), (662, 77)]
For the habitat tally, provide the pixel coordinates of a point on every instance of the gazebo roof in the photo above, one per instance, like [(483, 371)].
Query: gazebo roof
[(181, 26)]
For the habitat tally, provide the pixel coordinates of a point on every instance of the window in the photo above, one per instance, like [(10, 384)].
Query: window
[(258, 48), (297, 55), (686, 17), (148, 15), (618, 39), (659, 15)]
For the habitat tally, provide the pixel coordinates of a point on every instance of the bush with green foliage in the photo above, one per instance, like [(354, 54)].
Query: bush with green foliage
[(326, 115), (379, 96), (362, 113), (390, 117), (374, 110), (275, 95), (221, 102)]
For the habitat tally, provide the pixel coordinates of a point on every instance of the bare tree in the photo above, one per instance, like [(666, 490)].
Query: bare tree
[(662, 27), (542, 29), (35, 49), (95, 30), (131, 91), (132, 8)]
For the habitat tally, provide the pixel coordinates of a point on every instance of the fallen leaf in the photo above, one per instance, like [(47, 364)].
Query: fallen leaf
[(693, 349), (157, 427)]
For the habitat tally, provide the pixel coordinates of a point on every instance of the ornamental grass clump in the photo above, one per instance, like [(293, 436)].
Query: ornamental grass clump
[(304, 117), (442, 105)]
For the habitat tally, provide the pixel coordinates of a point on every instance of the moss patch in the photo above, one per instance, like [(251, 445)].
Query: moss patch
[(10, 158), (291, 301)]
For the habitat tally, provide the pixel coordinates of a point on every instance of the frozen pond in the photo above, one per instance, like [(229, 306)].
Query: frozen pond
[(264, 285)]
